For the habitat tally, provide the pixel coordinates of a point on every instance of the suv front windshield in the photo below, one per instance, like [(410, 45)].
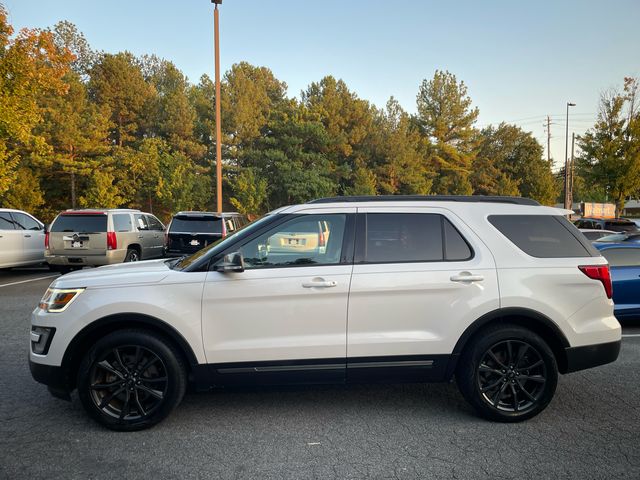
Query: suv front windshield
[(218, 246)]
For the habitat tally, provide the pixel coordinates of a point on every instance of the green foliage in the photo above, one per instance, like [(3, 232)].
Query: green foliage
[(250, 192), (610, 158), (101, 193), (510, 161), (447, 118)]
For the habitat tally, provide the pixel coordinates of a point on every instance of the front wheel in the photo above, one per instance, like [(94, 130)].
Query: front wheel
[(507, 373), (131, 379)]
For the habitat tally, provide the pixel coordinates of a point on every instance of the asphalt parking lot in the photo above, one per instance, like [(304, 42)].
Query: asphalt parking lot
[(590, 431)]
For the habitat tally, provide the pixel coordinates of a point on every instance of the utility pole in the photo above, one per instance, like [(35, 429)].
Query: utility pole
[(216, 41), (548, 139), (571, 170), (566, 159)]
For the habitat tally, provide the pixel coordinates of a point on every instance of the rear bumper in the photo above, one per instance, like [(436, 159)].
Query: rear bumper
[(588, 356), (55, 378), (108, 258)]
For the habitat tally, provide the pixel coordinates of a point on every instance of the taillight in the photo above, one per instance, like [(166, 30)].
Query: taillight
[(112, 241), (46, 240), (599, 272), (224, 229), (321, 239)]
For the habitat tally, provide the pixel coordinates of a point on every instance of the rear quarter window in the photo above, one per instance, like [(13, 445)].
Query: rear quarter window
[(80, 223), (122, 222), (543, 236)]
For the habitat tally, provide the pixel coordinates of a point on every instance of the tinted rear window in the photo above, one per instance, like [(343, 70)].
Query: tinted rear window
[(196, 225), (80, 223), (622, 257), (624, 225), (543, 236)]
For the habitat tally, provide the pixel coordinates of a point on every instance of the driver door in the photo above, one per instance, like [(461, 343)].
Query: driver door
[(284, 318)]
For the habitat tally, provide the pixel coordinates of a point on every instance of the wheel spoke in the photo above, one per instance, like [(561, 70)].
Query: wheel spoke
[(515, 397), (138, 355), (509, 352), (488, 369), (527, 394), (107, 366), (533, 365), (495, 359), (496, 397), (148, 364), (156, 393), (105, 401), (153, 380), (117, 354), (521, 352), (105, 386), (139, 404), (533, 378), (492, 386), (127, 406)]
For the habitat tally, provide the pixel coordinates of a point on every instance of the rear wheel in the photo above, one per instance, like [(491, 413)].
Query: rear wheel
[(132, 256), (508, 373), (131, 380)]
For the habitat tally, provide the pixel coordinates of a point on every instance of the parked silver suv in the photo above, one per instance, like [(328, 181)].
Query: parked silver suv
[(102, 237)]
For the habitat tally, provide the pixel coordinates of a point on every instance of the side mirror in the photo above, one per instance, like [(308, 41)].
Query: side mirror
[(232, 262)]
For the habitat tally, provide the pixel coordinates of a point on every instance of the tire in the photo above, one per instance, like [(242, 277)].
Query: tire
[(131, 379), (507, 373), (132, 256)]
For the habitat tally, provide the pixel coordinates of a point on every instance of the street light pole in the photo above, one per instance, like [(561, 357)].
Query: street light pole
[(566, 160), (216, 41)]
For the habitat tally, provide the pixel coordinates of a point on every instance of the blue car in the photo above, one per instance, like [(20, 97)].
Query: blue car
[(624, 263)]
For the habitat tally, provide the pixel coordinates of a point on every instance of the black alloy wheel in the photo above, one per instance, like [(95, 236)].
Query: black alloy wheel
[(507, 373), (131, 379), (511, 376), (129, 382)]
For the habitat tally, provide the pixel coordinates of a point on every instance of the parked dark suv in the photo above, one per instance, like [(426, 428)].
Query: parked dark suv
[(189, 232)]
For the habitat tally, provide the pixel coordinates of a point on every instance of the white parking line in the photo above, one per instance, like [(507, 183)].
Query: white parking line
[(630, 335), (26, 281)]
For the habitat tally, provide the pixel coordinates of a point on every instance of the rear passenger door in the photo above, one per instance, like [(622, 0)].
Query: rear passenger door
[(420, 277)]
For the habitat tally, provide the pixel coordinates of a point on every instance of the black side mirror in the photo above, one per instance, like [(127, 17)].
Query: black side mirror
[(232, 262)]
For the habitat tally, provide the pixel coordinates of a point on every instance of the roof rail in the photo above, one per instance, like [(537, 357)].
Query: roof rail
[(429, 198)]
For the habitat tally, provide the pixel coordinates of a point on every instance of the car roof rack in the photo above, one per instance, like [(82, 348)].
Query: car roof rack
[(429, 198)]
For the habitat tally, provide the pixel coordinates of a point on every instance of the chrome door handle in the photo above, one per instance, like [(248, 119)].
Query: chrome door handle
[(465, 277), (320, 284)]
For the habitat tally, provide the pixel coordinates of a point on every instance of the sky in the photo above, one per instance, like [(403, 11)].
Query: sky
[(520, 60)]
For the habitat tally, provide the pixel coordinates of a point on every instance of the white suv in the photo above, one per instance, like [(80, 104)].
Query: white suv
[(499, 292)]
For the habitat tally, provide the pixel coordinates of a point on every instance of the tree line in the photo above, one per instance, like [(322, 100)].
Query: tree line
[(80, 128)]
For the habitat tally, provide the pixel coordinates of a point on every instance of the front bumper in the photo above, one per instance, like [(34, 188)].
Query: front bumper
[(55, 378), (588, 356)]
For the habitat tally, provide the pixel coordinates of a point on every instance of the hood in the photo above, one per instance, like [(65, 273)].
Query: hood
[(135, 273)]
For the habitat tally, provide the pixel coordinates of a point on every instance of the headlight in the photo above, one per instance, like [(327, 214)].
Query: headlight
[(57, 299)]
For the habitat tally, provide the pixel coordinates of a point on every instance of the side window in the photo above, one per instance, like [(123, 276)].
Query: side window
[(456, 247), (6, 222), (622, 257), (302, 241), (141, 222), (404, 237), (542, 236), (25, 221), (122, 222), (154, 223)]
